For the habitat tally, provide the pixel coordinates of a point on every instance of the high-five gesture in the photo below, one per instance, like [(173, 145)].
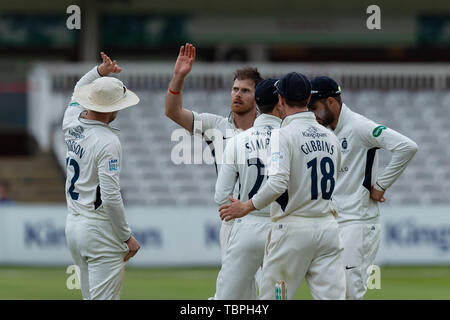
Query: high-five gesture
[(174, 100), (185, 60), (108, 66)]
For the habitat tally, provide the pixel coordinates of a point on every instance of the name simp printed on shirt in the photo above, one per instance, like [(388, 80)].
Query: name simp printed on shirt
[(258, 144), (113, 165)]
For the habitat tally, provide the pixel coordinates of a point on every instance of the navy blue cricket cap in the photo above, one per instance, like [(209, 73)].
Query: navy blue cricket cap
[(323, 87), (265, 93), (294, 86)]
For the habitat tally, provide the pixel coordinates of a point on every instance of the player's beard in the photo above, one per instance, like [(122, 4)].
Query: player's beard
[(326, 117), (242, 109)]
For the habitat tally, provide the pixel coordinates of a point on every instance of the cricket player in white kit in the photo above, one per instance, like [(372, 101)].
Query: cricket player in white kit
[(245, 160), (304, 240), (97, 232), (359, 187), (214, 129)]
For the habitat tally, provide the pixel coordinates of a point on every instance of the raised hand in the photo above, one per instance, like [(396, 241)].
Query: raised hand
[(108, 66), (185, 60)]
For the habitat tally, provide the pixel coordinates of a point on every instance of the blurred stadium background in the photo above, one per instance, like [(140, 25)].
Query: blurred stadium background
[(398, 76)]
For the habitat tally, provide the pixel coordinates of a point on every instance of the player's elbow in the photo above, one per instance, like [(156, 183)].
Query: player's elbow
[(413, 148), (111, 198), (176, 116), (173, 111), (220, 199), (278, 183), (169, 113)]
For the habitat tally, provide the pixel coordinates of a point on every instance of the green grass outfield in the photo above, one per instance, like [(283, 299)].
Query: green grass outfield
[(199, 283)]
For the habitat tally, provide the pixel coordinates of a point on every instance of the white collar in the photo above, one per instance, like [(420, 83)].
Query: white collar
[(298, 115), (96, 122), (267, 120), (343, 115)]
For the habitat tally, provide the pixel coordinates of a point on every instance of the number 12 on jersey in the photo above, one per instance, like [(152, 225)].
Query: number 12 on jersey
[(327, 175)]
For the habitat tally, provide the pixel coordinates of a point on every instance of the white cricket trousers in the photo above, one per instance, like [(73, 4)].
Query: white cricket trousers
[(302, 247), (224, 234), (243, 257), (99, 254), (361, 242)]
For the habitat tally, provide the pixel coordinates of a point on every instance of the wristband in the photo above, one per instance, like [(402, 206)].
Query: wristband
[(174, 92), (99, 72)]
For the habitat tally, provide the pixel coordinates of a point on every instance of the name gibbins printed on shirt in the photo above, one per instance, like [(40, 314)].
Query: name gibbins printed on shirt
[(315, 144)]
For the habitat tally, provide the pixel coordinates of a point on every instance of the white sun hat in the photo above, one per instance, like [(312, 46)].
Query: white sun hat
[(106, 94)]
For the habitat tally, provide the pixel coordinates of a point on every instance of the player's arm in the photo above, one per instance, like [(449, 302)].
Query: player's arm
[(403, 150), (174, 95), (333, 208), (276, 185), (228, 174), (279, 172), (108, 173)]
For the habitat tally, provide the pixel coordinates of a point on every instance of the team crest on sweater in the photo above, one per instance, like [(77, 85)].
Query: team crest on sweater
[(344, 145)]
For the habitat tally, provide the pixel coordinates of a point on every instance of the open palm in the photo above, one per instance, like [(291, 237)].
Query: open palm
[(185, 60)]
